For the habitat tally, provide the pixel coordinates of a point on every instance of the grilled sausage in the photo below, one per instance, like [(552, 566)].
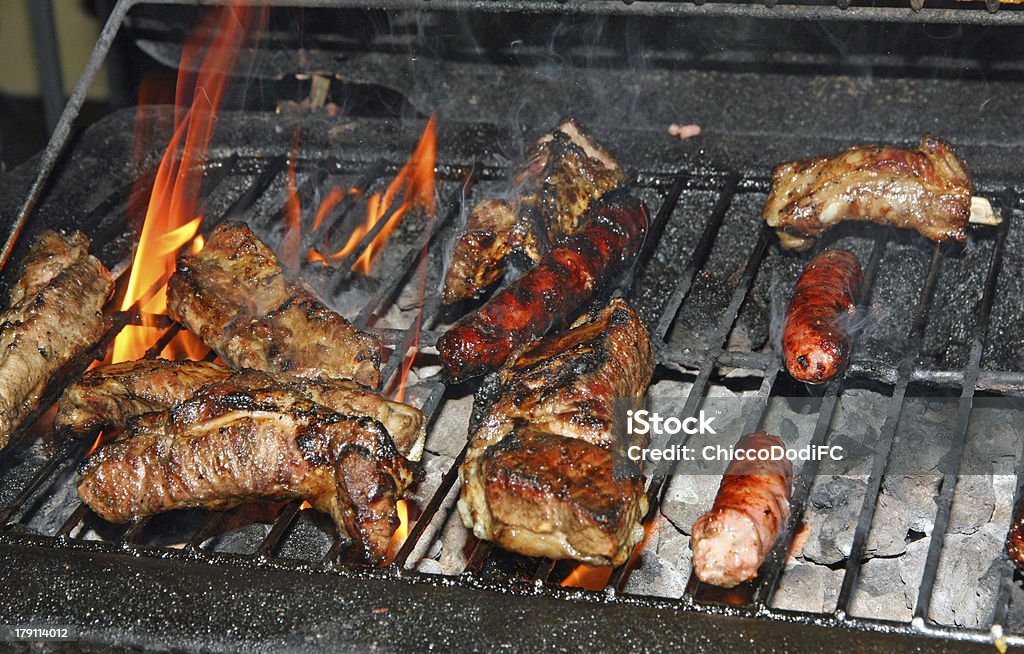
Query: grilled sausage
[(730, 541), (561, 283), (815, 341)]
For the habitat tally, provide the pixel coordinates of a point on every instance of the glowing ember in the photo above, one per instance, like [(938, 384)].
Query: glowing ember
[(173, 217)]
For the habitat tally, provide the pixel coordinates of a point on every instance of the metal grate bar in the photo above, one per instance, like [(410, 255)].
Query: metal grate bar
[(949, 480), (653, 236), (699, 255), (61, 456), (659, 485), (281, 524), (772, 570), (886, 438), (324, 232)]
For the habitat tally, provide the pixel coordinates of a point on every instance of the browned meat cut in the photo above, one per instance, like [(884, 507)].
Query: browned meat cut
[(927, 189), (563, 172), (230, 444), (730, 541), (110, 396), (546, 473), (235, 297), (816, 338), (54, 314), (551, 292)]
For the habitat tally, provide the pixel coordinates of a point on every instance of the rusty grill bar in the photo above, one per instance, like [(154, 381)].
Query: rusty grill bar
[(487, 562)]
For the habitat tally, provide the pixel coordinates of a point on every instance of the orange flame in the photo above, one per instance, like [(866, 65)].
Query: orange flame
[(596, 578), (173, 217), (416, 183), (398, 539)]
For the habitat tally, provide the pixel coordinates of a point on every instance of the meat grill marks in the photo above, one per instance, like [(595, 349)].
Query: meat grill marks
[(730, 541), (235, 297), (815, 340), (927, 189), (54, 314), (111, 396), (231, 444), (563, 173), (550, 293), (546, 472)]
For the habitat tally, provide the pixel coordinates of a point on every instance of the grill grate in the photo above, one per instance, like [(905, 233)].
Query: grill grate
[(672, 196)]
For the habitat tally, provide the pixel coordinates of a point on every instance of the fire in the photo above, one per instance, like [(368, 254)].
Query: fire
[(596, 578), (398, 539), (415, 181), (173, 217)]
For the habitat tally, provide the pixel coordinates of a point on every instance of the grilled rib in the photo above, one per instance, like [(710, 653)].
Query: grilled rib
[(230, 444), (546, 472), (55, 314), (927, 189), (562, 174), (235, 297), (112, 395)]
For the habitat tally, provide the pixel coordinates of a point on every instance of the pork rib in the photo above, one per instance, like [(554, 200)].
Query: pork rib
[(927, 189), (55, 314), (110, 396), (562, 174), (230, 444), (235, 297)]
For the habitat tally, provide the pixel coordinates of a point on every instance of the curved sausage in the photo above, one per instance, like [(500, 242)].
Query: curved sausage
[(815, 341), (730, 541), (561, 283)]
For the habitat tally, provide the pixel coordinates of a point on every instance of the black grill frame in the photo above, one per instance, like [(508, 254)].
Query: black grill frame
[(728, 184)]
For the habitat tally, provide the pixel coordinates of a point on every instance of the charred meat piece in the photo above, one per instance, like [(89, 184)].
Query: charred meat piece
[(730, 541), (229, 445), (816, 338), (927, 189), (54, 314), (550, 293), (563, 173), (546, 473), (111, 396), (235, 297)]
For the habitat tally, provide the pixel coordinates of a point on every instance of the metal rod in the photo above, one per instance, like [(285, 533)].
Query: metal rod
[(949, 480), (700, 254), (281, 524), (62, 454)]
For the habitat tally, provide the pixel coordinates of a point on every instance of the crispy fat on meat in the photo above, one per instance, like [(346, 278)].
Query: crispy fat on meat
[(110, 396), (546, 472), (927, 189), (55, 314), (235, 297), (229, 445), (563, 172), (730, 541)]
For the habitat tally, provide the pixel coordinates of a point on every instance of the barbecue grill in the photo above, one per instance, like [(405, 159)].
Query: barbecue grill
[(943, 332)]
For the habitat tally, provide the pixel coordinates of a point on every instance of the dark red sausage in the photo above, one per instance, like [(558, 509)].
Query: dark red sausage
[(816, 341), (730, 541), (562, 282)]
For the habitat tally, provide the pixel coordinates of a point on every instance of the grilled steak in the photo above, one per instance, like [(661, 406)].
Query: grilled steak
[(730, 541), (54, 314), (927, 189), (562, 174), (816, 340), (230, 444), (111, 396), (235, 297), (546, 472)]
